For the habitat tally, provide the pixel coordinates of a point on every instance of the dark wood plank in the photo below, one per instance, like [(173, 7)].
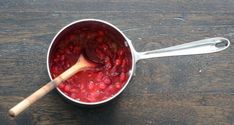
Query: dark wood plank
[(188, 90), (162, 108), (182, 6)]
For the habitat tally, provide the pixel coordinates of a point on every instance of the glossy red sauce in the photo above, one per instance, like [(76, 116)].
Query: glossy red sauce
[(101, 46)]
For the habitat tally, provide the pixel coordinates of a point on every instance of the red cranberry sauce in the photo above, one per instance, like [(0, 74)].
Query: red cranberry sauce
[(95, 84)]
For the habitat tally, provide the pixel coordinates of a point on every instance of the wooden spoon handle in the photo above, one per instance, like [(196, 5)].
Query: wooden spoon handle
[(45, 89), (32, 98)]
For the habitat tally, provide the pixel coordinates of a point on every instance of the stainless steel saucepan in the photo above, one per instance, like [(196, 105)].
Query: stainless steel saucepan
[(197, 47)]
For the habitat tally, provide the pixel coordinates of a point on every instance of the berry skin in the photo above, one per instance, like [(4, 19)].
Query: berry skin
[(67, 88), (91, 85), (106, 80), (122, 77), (120, 52), (118, 62), (118, 85), (73, 95), (61, 86), (102, 86), (99, 77)]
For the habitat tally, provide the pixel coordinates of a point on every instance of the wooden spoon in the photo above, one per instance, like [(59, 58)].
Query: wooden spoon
[(80, 65)]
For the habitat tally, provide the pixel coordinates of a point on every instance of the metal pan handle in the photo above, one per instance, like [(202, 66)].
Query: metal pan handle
[(210, 45)]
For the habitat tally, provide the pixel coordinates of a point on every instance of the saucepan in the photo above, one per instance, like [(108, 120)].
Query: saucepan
[(209, 45)]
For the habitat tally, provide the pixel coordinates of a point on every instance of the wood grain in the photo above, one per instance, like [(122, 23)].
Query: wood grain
[(186, 90)]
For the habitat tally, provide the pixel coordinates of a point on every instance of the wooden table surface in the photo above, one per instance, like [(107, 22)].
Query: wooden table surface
[(186, 90)]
